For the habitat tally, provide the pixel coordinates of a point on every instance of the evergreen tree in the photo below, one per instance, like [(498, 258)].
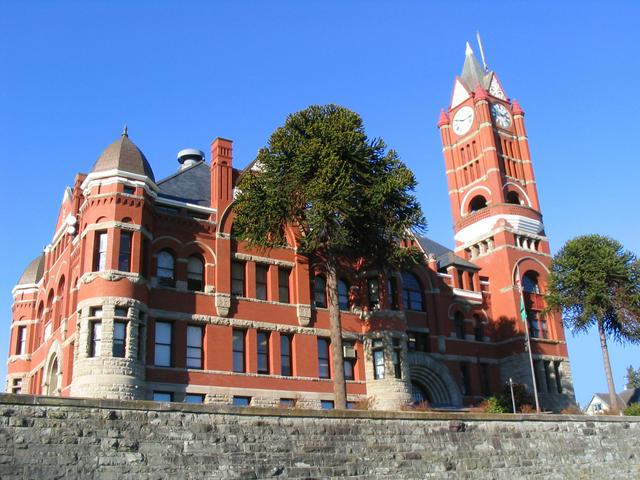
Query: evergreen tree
[(633, 377), (594, 281), (348, 197)]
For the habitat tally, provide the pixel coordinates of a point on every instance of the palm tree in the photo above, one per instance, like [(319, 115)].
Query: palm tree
[(594, 281)]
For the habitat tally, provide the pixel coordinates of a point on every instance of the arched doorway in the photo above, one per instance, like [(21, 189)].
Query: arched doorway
[(52, 374), (432, 381)]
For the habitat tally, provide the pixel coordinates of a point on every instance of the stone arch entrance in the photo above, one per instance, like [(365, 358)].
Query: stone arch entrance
[(431, 380), (53, 373)]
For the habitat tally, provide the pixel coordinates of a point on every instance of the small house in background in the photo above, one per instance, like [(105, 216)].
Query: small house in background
[(600, 402)]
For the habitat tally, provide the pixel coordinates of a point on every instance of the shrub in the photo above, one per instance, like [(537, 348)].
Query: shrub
[(494, 405), (571, 410), (422, 406), (633, 410), (526, 408)]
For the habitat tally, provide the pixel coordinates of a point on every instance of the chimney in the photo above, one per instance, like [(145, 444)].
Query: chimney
[(221, 174)]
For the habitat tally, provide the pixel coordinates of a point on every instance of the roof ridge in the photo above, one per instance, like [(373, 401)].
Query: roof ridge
[(180, 172)]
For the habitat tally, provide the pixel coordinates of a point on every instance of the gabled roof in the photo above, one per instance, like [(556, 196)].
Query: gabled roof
[(191, 185), (444, 256), (33, 272), (624, 398), (123, 155)]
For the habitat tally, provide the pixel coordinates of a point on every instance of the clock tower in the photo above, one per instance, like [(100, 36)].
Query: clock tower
[(498, 226)]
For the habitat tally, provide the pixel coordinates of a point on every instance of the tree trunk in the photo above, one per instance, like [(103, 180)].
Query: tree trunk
[(337, 354), (613, 399)]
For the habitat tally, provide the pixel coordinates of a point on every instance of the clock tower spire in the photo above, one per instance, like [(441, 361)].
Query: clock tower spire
[(497, 219)]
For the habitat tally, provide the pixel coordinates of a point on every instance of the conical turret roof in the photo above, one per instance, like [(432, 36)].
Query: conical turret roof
[(124, 155)]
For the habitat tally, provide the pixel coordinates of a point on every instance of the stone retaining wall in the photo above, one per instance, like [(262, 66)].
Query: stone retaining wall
[(48, 438)]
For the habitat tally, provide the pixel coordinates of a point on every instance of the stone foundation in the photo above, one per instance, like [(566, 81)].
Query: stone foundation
[(46, 437)]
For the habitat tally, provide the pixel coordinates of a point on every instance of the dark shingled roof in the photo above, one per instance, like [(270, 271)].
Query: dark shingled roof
[(33, 272), (191, 184), (123, 155), (624, 398), (444, 256)]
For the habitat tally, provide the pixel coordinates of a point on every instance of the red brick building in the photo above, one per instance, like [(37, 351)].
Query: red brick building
[(143, 291)]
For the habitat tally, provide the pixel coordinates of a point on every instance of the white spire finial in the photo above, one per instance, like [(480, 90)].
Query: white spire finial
[(468, 51)]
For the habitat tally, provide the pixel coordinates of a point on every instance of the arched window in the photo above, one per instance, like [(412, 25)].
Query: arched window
[(195, 273), (319, 292), (478, 328), (166, 269), (343, 295), (411, 292), (513, 197), (530, 283), (478, 202), (458, 322)]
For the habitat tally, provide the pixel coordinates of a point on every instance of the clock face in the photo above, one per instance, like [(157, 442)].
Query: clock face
[(462, 120), (501, 115)]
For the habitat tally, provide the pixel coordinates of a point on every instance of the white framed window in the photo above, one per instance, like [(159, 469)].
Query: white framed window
[(194, 346), (162, 352)]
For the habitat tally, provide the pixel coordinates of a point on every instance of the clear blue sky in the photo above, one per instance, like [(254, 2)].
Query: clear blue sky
[(182, 73)]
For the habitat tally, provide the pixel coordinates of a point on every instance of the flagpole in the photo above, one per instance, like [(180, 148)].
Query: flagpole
[(523, 313)]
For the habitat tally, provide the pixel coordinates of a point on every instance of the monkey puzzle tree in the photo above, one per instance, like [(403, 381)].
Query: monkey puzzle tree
[(348, 197), (594, 281)]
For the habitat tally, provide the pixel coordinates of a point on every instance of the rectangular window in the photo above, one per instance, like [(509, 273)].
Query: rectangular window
[(324, 370), (263, 352), (119, 339), (238, 350), (261, 281), (396, 355), (326, 404), (374, 293), (237, 278), (286, 365), (100, 251), (283, 285), (21, 344), (392, 291), (418, 341), (556, 368), (241, 401), (163, 396), (534, 326), (470, 280), (196, 398), (16, 385), (121, 312), (162, 352), (464, 376), (378, 359), (287, 403), (194, 346), (95, 340), (349, 361), (95, 312), (124, 258)]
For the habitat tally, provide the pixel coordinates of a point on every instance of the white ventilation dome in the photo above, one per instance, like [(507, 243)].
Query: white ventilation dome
[(189, 157)]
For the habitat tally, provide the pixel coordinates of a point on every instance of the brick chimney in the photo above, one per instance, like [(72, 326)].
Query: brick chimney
[(221, 174)]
